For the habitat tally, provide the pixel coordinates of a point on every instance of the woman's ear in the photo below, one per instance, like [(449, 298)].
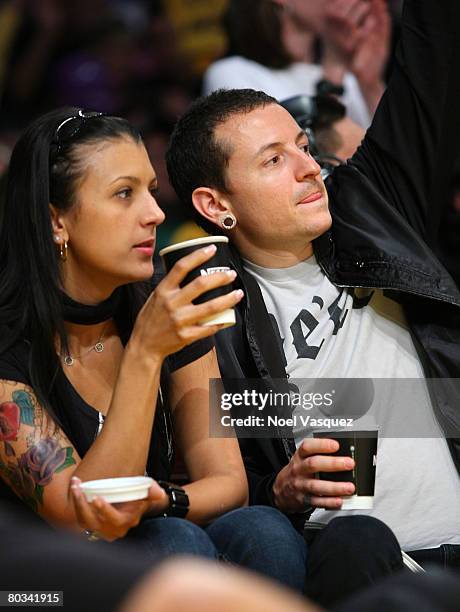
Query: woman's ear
[(210, 204), (58, 224)]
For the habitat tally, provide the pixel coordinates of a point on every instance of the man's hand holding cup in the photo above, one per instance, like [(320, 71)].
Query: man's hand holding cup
[(296, 487)]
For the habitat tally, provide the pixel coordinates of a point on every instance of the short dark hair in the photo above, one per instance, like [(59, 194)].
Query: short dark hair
[(195, 158), (41, 173)]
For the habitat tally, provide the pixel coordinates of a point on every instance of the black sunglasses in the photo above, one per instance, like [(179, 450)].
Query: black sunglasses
[(70, 127)]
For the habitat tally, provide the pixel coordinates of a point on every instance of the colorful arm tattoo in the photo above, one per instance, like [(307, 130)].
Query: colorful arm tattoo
[(45, 456)]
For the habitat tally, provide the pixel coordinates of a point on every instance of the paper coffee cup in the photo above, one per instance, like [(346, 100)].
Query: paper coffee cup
[(362, 447), (219, 262)]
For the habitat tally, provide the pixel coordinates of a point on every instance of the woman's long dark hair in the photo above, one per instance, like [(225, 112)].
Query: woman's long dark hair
[(41, 173), (254, 31)]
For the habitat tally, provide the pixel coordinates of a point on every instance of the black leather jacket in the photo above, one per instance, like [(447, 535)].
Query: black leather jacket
[(384, 220)]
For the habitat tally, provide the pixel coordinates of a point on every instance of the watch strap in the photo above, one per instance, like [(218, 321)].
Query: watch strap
[(178, 499)]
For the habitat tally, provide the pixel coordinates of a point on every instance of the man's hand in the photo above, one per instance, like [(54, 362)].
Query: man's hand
[(371, 53), (343, 24), (113, 521), (357, 37), (296, 486)]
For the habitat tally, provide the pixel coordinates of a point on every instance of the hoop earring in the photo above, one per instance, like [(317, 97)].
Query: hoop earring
[(228, 221), (63, 251)]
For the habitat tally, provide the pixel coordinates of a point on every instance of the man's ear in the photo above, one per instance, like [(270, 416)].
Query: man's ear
[(58, 224), (210, 204)]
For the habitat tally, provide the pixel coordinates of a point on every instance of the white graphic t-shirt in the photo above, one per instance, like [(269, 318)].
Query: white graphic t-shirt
[(330, 332)]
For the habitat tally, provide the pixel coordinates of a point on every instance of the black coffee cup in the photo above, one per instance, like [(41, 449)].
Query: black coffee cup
[(219, 262), (362, 447)]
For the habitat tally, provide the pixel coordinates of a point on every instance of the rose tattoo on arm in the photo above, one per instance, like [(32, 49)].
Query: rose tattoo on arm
[(9, 421), (29, 472)]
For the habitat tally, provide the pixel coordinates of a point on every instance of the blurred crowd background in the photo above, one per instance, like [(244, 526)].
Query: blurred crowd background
[(146, 60), (141, 59)]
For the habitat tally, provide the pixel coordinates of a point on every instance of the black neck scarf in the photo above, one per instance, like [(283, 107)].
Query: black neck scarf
[(90, 314)]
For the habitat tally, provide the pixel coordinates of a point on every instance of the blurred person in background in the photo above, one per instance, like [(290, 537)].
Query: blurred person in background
[(35, 559), (294, 47), (97, 73), (46, 31), (107, 578)]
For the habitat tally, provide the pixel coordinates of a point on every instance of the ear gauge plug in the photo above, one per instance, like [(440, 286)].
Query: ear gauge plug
[(228, 221)]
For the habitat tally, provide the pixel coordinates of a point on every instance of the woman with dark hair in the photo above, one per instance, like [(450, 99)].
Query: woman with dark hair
[(99, 365), (287, 47)]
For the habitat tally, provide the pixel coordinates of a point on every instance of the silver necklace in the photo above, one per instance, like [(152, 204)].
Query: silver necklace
[(98, 347)]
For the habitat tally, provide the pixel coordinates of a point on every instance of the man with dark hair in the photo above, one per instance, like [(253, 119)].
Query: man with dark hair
[(299, 47), (345, 281), (195, 157)]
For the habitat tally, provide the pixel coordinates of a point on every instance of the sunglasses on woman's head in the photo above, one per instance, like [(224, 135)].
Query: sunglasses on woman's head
[(70, 127)]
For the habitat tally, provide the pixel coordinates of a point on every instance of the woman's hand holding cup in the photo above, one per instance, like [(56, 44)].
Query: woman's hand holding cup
[(111, 521), (170, 320)]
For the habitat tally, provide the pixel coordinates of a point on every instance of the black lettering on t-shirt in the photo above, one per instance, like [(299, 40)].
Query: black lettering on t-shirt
[(304, 350), (335, 312), (305, 318)]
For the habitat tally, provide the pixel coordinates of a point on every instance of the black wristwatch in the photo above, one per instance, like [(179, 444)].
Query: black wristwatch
[(178, 499)]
